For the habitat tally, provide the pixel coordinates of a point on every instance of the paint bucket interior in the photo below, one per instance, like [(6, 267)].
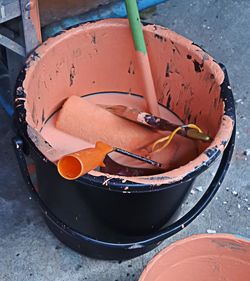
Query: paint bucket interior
[(202, 257), (99, 58)]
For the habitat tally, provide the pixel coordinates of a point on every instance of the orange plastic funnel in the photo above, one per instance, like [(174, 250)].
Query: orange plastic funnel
[(75, 165)]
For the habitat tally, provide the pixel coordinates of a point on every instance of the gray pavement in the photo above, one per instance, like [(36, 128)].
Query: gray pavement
[(30, 252)]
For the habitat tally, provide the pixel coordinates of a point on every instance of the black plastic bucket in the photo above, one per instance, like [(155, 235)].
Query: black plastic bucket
[(121, 219)]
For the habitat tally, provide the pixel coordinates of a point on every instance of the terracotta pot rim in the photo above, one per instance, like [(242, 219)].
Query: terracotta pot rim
[(183, 173), (174, 246)]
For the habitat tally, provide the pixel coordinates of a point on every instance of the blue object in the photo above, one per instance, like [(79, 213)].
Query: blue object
[(6, 106), (5, 98), (114, 10)]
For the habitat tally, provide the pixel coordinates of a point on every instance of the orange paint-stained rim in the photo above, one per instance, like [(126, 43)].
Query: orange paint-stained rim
[(184, 173), (189, 249)]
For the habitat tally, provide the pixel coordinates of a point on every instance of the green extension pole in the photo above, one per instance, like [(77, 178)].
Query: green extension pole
[(135, 25), (142, 57)]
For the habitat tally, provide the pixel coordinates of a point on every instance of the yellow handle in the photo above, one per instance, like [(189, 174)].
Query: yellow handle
[(75, 165)]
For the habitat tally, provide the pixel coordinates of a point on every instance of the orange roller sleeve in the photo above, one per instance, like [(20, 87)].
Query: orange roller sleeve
[(92, 123)]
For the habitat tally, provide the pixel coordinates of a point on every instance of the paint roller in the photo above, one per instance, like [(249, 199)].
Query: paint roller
[(93, 123), (87, 121)]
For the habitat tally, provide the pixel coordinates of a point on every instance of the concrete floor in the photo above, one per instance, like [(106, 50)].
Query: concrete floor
[(30, 252)]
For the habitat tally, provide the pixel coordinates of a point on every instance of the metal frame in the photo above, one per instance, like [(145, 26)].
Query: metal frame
[(18, 46), (31, 24), (10, 9)]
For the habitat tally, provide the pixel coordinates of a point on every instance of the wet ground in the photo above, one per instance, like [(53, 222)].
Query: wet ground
[(30, 252)]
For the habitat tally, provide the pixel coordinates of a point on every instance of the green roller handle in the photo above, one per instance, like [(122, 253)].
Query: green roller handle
[(135, 25)]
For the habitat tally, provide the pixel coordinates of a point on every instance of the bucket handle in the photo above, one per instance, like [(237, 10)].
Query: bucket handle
[(155, 237)]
